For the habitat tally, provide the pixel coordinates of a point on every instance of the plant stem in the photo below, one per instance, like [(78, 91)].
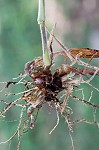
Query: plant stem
[(41, 22)]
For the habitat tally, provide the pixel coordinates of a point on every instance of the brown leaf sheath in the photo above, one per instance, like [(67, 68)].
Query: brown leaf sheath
[(84, 52)]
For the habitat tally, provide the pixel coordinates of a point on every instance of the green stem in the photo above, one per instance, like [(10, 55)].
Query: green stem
[(41, 22)]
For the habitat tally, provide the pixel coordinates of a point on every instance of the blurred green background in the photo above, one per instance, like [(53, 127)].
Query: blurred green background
[(77, 26)]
